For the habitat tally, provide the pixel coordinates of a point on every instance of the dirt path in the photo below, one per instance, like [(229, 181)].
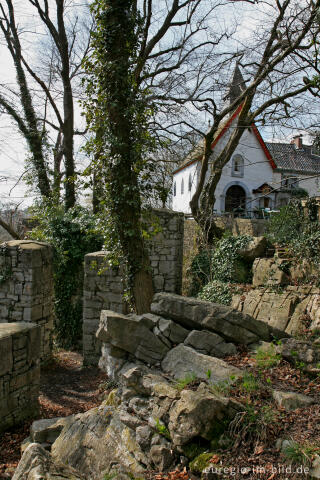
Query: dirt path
[(66, 388)]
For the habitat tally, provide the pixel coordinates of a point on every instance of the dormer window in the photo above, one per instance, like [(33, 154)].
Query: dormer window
[(175, 189), (182, 187), (190, 183), (237, 166)]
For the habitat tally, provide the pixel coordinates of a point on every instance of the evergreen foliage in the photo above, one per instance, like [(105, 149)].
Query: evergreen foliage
[(72, 234)]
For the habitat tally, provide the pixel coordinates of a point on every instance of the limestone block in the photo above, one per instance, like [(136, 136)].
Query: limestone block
[(266, 271), (183, 360)]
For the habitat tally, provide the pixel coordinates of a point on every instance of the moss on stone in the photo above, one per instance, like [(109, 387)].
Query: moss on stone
[(193, 450), (201, 462)]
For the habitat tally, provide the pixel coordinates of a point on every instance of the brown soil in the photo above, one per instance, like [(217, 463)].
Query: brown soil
[(66, 388)]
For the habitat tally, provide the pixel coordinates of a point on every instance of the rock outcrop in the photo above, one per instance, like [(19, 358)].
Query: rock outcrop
[(36, 463), (165, 364)]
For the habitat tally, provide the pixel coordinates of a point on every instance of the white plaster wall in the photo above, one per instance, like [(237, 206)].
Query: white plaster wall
[(180, 202), (257, 171)]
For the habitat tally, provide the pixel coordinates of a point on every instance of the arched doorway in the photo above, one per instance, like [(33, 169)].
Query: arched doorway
[(235, 198)]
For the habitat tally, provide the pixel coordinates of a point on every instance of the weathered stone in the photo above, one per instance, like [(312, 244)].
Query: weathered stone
[(143, 436), (209, 343), (27, 294), (254, 249), (112, 360), (300, 353), (197, 314), (291, 400), (130, 334), (47, 430), (162, 457), (97, 440), (200, 414), (183, 360), (36, 463), (267, 271), (173, 331)]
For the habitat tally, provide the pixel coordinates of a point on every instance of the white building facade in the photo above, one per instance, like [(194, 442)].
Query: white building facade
[(257, 177)]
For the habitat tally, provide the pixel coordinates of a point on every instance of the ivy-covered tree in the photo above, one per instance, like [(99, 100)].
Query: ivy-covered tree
[(129, 55)]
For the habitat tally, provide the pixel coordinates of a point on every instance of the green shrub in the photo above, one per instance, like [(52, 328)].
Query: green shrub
[(217, 292), (199, 271), (226, 264), (72, 234)]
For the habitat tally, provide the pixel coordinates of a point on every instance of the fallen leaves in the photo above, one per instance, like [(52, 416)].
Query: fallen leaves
[(174, 475)]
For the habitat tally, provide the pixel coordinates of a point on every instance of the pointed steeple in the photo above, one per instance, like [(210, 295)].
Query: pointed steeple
[(236, 86)]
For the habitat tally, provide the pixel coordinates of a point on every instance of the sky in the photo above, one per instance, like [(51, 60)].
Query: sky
[(13, 150)]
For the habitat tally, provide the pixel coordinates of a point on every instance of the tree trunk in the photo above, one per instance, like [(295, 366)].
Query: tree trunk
[(68, 122), (123, 106)]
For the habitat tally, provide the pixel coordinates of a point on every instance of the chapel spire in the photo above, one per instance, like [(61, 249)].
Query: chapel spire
[(236, 85)]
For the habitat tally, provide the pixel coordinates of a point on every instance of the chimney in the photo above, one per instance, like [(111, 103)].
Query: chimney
[(297, 141)]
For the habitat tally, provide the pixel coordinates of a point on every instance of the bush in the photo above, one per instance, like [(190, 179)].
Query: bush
[(217, 292), (220, 265), (72, 234)]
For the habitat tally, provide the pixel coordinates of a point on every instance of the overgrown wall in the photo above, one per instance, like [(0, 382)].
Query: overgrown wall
[(19, 372), (26, 287), (103, 288)]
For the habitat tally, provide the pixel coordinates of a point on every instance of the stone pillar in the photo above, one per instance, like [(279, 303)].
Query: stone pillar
[(103, 289), (26, 287), (19, 372)]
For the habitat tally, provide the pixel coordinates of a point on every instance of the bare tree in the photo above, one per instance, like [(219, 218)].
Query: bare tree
[(278, 71), (42, 103)]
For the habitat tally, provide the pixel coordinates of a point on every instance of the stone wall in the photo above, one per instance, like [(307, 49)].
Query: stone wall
[(19, 372), (103, 288), (26, 287)]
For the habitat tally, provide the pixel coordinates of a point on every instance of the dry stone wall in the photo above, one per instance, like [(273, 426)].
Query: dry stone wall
[(26, 287), (103, 289), (19, 372)]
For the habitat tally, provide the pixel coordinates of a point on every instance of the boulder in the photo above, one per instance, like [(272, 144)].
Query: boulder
[(301, 354), (200, 414), (131, 333), (183, 360), (209, 343), (47, 430), (162, 457), (232, 325), (254, 249), (96, 441), (269, 271), (186, 311), (36, 463), (291, 400), (173, 331)]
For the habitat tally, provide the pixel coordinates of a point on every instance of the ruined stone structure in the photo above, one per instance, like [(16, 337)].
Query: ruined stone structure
[(103, 289), (19, 372), (26, 287)]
